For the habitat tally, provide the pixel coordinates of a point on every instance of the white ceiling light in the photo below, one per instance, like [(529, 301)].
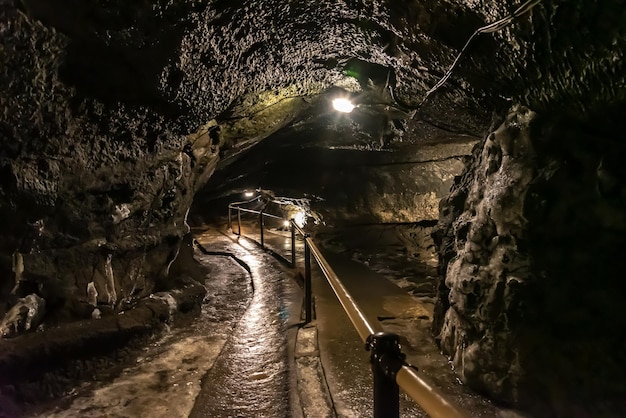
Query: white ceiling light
[(343, 105)]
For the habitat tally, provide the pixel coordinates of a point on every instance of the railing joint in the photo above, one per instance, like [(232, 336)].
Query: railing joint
[(386, 352)]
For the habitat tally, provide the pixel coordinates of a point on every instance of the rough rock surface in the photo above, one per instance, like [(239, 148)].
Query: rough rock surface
[(113, 114), (98, 105), (94, 194), (24, 316), (487, 270), (529, 242)]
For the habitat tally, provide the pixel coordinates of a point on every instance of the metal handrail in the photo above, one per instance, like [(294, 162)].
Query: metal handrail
[(429, 398), (388, 366), (262, 214), (269, 215), (357, 317), (426, 396)]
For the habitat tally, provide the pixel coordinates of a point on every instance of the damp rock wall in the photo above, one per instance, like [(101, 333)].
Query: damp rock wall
[(94, 194), (529, 244), (389, 188)]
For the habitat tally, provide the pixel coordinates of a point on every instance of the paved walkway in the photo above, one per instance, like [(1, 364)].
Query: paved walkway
[(253, 375), (249, 354)]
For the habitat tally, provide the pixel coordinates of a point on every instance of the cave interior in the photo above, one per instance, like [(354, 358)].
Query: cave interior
[(501, 174)]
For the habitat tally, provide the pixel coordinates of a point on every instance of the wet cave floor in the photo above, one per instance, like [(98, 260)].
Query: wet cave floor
[(230, 360), (235, 358)]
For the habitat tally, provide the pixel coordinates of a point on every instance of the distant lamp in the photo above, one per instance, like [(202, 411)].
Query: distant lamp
[(286, 222), (343, 105), (248, 194)]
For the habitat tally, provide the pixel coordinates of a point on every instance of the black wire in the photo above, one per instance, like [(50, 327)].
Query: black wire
[(490, 28)]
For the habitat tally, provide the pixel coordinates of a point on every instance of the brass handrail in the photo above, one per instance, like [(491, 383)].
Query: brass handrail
[(363, 327), (426, 396), (258, 212)]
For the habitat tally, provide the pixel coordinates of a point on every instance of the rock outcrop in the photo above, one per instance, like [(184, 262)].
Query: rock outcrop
[(94, 193), (485, 272), (24, 316), (99, 157), (529, 242)]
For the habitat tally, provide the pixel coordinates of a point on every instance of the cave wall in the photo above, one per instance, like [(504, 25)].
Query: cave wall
[(99, 160), (101, 100), (109, 127), (528, 238), (529, 242), (384, 190), (92, 192)]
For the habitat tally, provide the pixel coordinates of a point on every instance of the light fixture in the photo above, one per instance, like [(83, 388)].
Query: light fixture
[(343, 105), (286, 222), (248, 194)]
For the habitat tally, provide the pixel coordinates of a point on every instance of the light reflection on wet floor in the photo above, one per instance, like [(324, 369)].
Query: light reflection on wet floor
[(250, 378), (239, 339), (239, 345)]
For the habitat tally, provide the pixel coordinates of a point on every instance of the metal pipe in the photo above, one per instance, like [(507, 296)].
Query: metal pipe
[(293, 244), (431, 401), (261, 226), (239, 220), (230, 221), (298, 229), (256, 211), (386, 358), (308, 300)]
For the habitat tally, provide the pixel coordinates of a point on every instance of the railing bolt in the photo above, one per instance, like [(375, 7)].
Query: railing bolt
[(386, 359)]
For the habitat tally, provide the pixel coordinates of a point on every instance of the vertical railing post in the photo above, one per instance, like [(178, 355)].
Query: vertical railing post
[(239, 220), (307, 282), (293, 244), (230, 218), (261, 226), (387, 359)]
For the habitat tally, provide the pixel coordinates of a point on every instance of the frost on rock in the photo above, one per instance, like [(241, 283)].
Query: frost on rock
[(25, 315)]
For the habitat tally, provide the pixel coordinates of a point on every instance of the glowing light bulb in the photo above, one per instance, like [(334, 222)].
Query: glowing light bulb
[(343, 105), (248, 194)]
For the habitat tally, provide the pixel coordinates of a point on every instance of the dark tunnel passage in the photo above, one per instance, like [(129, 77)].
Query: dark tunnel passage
[(484, 177)]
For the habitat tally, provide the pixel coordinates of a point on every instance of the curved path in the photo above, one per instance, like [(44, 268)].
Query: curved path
[(231, 360), (251, 377)]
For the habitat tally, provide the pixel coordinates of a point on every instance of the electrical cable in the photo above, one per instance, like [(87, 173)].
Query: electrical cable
[(490, 28)]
